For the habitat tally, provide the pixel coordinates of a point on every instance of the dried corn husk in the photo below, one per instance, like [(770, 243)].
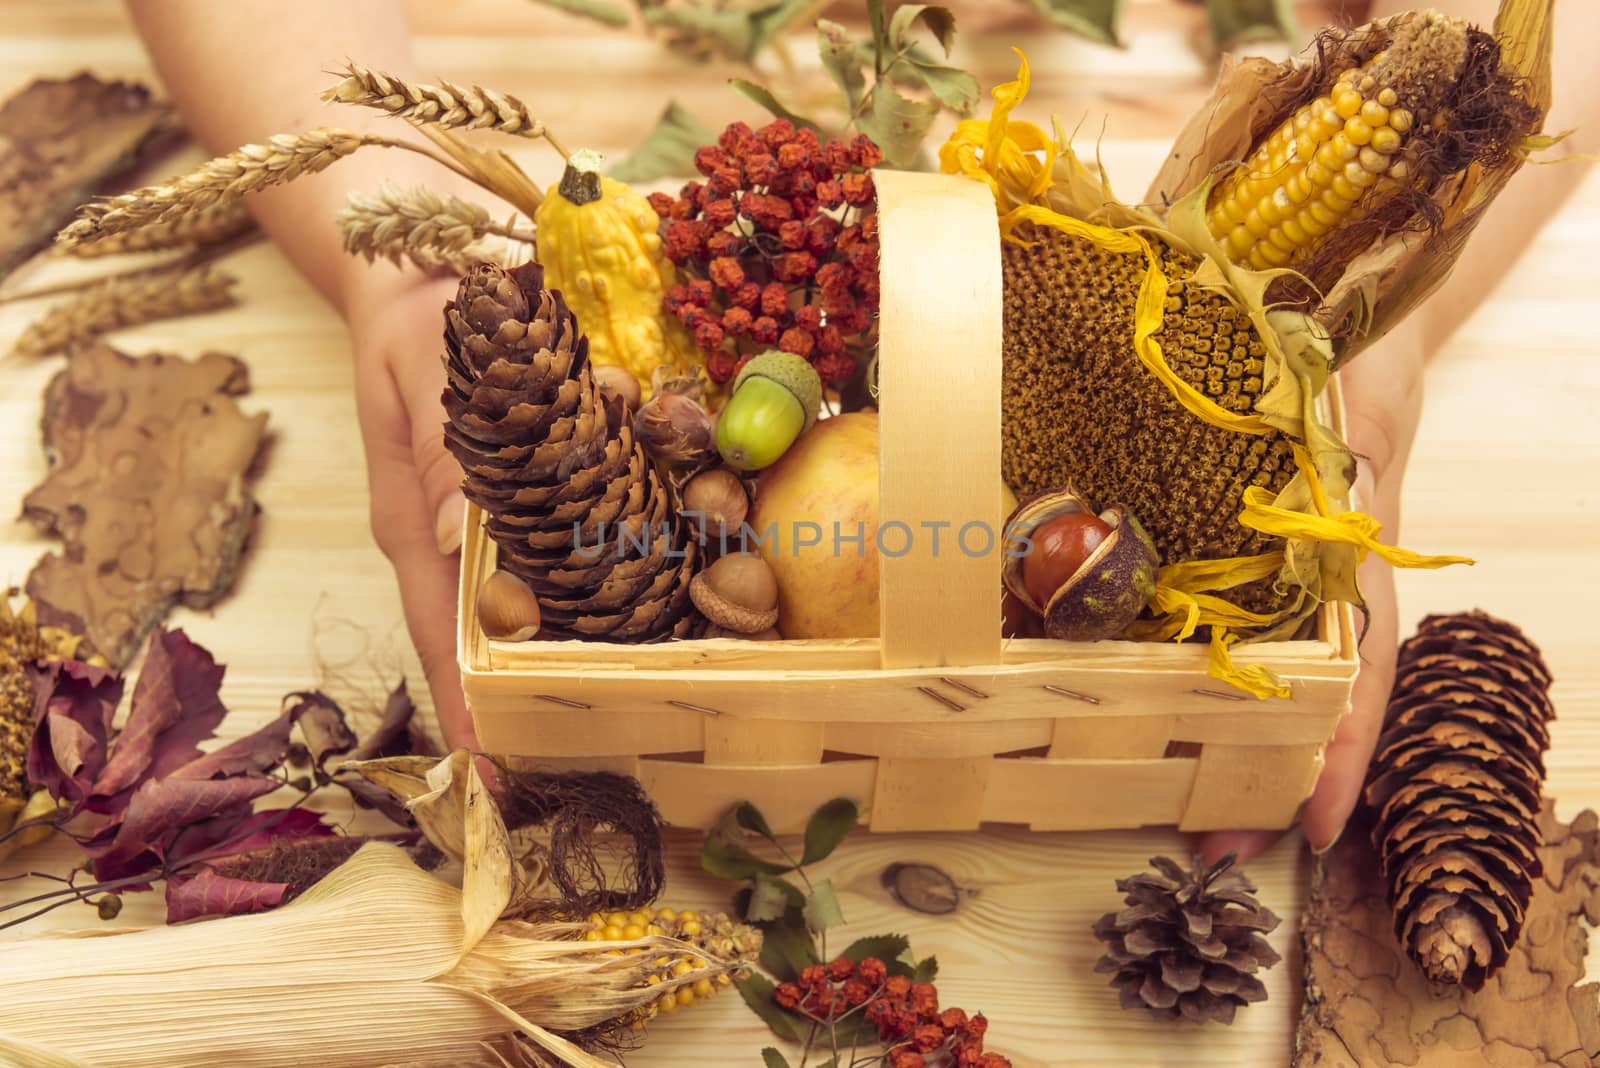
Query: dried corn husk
[(379, 964)]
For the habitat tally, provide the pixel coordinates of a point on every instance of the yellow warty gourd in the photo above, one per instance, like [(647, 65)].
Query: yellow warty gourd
[(597, 240)]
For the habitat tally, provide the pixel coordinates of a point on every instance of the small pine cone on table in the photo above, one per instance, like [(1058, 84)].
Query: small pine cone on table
[(1189, 943), (575, 508), (1455, 788)]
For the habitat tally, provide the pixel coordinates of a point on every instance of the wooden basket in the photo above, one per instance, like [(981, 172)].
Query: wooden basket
[(938, 724)]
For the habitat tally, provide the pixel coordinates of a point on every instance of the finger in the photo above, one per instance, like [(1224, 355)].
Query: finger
[(1348, 755), (421, 379), (403, 526), (1245, 844)]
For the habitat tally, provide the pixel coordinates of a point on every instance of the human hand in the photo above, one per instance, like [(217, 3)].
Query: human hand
[(396, 325), (1383, 404)]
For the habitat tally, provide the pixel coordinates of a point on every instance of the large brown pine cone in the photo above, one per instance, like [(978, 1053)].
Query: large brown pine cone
[(1189, 943), (572, 503), (1456, 787)]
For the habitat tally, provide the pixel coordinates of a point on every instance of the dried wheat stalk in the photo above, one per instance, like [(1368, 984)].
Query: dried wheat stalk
[(123, 302), (430, 230), (444, 105), (224, 180), (208, 226)]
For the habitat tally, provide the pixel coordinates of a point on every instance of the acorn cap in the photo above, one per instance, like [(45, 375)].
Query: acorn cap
[(791, 372), (1108, 591)]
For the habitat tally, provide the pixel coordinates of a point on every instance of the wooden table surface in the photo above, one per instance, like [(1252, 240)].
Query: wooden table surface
[(1504, 470)]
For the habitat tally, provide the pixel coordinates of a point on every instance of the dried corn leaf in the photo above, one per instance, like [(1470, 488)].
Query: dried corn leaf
[(1367, 1006), (60, 140), (360, 971), (149, 459)]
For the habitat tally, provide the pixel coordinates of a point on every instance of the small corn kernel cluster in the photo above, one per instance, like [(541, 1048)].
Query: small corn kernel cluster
[(684, 978), (1320, 167), (21, 641)]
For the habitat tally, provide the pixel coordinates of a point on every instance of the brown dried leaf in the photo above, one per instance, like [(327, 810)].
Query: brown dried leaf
[(1367, 1005), (60, 139), (148, 462)]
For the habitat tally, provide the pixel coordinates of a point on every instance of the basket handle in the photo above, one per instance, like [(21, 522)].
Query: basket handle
[(939, 331)]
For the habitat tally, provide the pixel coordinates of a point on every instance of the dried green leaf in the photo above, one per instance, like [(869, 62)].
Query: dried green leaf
[(739, 34), (897, 124), (954, 87), (771, 1058), (787, 946), (939, 21), (763, 96), (842, 60), (757, 991), (886, 948), (750, 818), (822, 909), (770, 898), (1097, 20), (1234, 22), (926, 971), (668, 151), (827, 827), (599, 10), (724, 854)]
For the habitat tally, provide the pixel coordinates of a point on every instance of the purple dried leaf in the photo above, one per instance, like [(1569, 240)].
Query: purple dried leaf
[(175, 707), (207, 893), (161, 809), (74, 704)]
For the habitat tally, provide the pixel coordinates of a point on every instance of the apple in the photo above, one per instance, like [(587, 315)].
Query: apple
[(826, 482)]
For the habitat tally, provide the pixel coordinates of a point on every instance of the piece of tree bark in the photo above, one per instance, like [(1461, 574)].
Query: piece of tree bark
[(1368, 1006), (61, 139), (149, 457)]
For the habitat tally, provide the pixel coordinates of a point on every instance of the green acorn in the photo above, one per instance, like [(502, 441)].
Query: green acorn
[(775, 399)]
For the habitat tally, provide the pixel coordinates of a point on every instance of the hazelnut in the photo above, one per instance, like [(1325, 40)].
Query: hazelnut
[(619, 382), (718, 500), (675, 430), (739, 593), (507, 609)]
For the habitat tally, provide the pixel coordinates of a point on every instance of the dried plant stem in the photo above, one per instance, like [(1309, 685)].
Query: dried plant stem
[(123, 302), (444, 105), (219, 222), (429, 229), (226, 180)]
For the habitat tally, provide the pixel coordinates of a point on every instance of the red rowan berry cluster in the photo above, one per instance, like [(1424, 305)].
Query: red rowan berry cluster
[(906, 1014), (777, 248)]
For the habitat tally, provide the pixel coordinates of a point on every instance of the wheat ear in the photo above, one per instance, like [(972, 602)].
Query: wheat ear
[(123, 302), (445, 105), (417, 224), (226, 180), (208, 226)]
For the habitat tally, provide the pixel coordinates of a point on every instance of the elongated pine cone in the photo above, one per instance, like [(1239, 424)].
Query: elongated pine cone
[(1189, 943), (574, 506), (1455, 789)]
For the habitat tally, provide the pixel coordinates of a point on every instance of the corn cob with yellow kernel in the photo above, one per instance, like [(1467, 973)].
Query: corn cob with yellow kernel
[(1171, 361), (689, 956), (1403, 132)]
